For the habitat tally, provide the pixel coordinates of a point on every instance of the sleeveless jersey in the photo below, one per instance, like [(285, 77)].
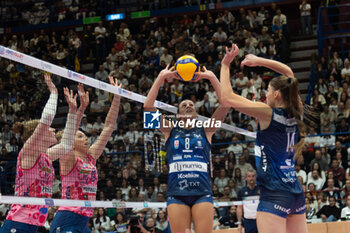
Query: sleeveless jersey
[(188, 156), (80, 184), (274, 155), (34, 182)]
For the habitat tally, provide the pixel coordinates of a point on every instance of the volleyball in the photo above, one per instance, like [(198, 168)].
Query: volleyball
[(186, 67)]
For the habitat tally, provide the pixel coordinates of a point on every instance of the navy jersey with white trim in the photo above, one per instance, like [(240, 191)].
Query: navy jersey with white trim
[(274, 153), (188, 156)]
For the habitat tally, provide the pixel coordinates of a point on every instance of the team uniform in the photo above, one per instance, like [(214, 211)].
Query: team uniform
[(188, 156), (33, 182), (281, 192), (249, 209), (79, 184)]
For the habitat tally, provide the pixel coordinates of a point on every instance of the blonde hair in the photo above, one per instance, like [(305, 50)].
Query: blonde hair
[(59, 135), (26, 128)]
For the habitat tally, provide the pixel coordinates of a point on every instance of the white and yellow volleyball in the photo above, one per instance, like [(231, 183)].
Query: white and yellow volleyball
[(186, 67)]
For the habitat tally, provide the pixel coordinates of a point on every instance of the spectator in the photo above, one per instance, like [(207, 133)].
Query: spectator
[(329, 213), (220, 36), (345, 72), (163, 177), (300, 173), (279, 17), (227, 194), (331, 190), (320, 160), (339, 172), (109, 190), (237, 177), (236, 148), (98, 125), (241, 82), (120, 224), (316, 166), (96, 106), (100, 34), (166, 57), (228, 220), (305, 13), (309, 210), (345, 212), (222, 180), (102, 223), (102, 74), (162, 220), (316, 180), (216, 193)]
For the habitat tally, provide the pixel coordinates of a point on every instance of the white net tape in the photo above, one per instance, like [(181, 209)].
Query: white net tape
[(65, 73), (104, 204)]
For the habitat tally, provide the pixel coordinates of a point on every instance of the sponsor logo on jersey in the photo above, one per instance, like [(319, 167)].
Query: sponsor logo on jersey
[(84, 171), (45, 169), (46, 189), (199, 143), (183, 184), (280, 208), (187, 176), (300, 209), (177, 157), (89, 189), (187, 156), (176, 144), (188, 167)]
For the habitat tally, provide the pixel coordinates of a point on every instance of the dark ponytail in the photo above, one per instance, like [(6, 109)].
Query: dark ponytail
[(294, 106)]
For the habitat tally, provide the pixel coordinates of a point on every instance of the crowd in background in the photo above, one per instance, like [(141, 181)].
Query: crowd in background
[(135, 56)]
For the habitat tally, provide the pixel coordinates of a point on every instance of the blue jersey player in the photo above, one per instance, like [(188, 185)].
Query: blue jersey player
[(188, 155), (278, 145)]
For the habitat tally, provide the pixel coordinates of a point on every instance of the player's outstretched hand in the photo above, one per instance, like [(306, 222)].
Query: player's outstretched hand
[(230, 55)]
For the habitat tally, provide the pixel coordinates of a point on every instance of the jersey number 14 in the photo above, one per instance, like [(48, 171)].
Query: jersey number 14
[(291, 142)]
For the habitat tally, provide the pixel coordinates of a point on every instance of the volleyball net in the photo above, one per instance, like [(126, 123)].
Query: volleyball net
[(130, 149)]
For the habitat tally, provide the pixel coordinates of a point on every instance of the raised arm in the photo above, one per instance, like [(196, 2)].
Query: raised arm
[(111, 120), (152, 94), (221, 112), (32, 147), (67, 141), (252, 60), (84, 102), (258, 110)]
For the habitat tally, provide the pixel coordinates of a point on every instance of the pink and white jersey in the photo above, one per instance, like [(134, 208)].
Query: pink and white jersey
[(34, 182), (80, 184)]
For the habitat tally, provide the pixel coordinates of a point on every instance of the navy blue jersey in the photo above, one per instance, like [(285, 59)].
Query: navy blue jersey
[(274, 153), (188, 156)]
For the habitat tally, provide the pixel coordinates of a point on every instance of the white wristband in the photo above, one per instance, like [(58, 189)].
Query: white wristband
[(49, 111), (67, 140)]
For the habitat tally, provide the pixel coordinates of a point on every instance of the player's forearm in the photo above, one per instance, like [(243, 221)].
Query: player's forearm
[(111, 119), (225, 83), (153, 93), (239, 213), (216, 84), (276, 66)]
